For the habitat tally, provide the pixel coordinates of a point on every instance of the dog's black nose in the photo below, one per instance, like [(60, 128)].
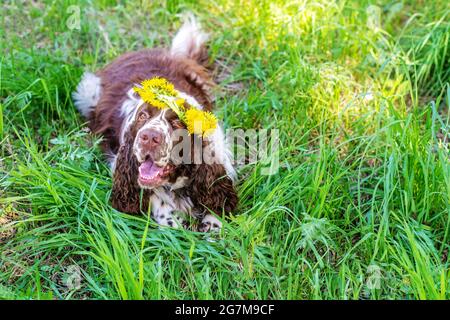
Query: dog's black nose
[(151, 138)]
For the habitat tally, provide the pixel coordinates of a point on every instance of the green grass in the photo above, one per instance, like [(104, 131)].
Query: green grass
[(360, 208)]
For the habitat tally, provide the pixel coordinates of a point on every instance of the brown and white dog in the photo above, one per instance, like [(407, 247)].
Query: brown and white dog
[(138, 137)]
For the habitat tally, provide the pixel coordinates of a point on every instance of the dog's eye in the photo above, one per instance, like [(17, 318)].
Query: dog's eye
[(143, 116)]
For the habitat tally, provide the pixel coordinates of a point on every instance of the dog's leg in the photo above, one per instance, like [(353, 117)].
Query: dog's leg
[(162, 213), (210, 223)]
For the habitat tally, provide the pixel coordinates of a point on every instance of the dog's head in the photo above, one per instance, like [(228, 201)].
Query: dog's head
[(153, 140), (157, 151)]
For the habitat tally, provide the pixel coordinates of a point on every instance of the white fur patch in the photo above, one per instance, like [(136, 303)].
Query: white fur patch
[(189, 39), (87, 94), (159, 124), (179, 183), (111, 158), (167, 207), (190, 100), (112, 163), (164, 204), (165, 196), (210, 223), (162, 211), (222, 151), (128, 110)]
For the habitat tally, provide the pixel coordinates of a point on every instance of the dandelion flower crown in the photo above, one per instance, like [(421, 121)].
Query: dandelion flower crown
[(162, 94)]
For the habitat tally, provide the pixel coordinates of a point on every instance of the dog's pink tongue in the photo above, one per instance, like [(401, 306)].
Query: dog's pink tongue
[(148, 170)]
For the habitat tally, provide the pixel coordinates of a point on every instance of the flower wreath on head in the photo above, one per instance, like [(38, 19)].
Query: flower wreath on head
[(162, 94)]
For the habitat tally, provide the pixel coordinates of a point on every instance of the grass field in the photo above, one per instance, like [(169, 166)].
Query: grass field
[(359, 209)]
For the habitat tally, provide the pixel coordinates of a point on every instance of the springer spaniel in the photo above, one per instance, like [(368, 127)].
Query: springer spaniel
[(138, 140)]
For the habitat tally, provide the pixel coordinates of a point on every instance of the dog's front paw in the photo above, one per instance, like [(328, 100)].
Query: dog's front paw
[(169, 222), (210, 224)]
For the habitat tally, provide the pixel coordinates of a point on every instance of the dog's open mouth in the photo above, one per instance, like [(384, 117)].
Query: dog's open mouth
[(151, 175)]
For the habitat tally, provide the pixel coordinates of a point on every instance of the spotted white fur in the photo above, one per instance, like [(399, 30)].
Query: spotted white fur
[(159, 124), (165, 205), (210, 224), (162, 211), (178, 203)]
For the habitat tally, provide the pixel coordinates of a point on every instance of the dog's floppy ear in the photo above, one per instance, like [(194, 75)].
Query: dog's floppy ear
[(212, 188), (125, 191)]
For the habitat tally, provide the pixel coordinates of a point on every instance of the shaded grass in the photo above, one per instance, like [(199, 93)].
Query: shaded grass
[(361, 197)]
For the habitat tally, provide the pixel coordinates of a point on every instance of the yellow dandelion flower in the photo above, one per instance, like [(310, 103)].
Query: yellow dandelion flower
[(150, 97), (155, 91), (161, 94), (159, 86), (180, 102), (200, 122)]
